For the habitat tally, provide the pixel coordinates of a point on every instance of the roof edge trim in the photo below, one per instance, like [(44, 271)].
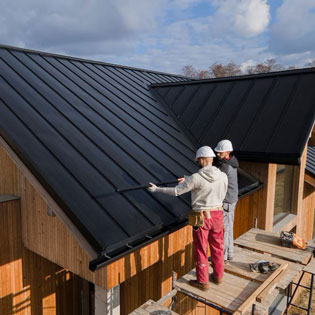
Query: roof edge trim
[(44, 53), (240, 77), (105, 259)]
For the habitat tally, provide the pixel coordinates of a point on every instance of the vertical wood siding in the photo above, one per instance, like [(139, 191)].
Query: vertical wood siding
[(9, 175), (30, 284), (261, 203), (47, 236)]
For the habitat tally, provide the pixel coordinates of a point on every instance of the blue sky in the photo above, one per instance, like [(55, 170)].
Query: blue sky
[(164, 35)]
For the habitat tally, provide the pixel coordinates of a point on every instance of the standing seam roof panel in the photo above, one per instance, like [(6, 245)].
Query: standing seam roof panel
[(271, 124), (78, 136), (89, 176), (84, 129), (119, 156), (96, 91)]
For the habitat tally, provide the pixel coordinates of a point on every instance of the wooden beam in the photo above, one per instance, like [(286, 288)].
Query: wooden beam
[(264, 293), (270, 195), (252, 298), (297, 194), (309, 179), (311, 141), (301, 174), (286, 224), (51, 204)]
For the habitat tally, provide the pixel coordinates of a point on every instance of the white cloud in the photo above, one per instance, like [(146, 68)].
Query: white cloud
[(163, 35), (248, 63), (62, 25), (294, 27), (184, 4), (244, 18), (178, 50)]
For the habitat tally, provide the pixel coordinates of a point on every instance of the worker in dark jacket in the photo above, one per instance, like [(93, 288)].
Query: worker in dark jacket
[(228, 164)]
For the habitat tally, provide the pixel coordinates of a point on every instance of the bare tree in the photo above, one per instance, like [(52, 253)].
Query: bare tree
[(203, 74), (189, 71), (218, 70), (267, 66)]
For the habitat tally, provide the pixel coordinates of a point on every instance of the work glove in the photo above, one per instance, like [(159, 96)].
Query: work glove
[(164, 190), (152, 187)]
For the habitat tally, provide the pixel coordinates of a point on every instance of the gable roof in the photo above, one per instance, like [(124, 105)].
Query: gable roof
[(86, 128), (268, 117)]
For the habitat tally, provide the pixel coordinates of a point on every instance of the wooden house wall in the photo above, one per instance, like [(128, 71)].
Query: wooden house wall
[(259, 205), (146, 273), (9, 175), (43, 234), (307, 221), (47, 236), (30, 284)]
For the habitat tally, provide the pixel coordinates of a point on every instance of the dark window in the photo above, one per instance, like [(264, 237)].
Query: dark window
[(283, 193)]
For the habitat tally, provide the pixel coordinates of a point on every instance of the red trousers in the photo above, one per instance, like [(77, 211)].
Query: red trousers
[(212, 232)]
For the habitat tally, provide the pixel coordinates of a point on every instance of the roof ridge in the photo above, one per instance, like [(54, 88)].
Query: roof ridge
[(44, 53), (239, 77)]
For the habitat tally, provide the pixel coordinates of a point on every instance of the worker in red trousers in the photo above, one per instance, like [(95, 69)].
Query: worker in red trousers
[(208, 188)]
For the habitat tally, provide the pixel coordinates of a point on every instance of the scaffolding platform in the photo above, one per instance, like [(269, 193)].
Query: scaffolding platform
[(243, 291)]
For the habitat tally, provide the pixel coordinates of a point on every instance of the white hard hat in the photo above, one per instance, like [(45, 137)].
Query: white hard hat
[(204, 152), (224, 146)]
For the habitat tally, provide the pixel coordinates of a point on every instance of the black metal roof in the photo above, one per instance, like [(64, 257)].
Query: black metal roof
[(268, 117), (310, 161), (86, 128)]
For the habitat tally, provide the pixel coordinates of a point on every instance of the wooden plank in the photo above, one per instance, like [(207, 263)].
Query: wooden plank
[(269, 242), (270, 185), (230, 294), (286, 224), (262, 308), (251, 298), (242, 257), (263, 294), (310, 267), (297, 189), (264, 248), (297, 194), (309, 179)]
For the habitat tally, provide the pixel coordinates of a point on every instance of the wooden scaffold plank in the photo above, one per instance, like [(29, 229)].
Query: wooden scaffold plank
[(251, 299), (269, 242)]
